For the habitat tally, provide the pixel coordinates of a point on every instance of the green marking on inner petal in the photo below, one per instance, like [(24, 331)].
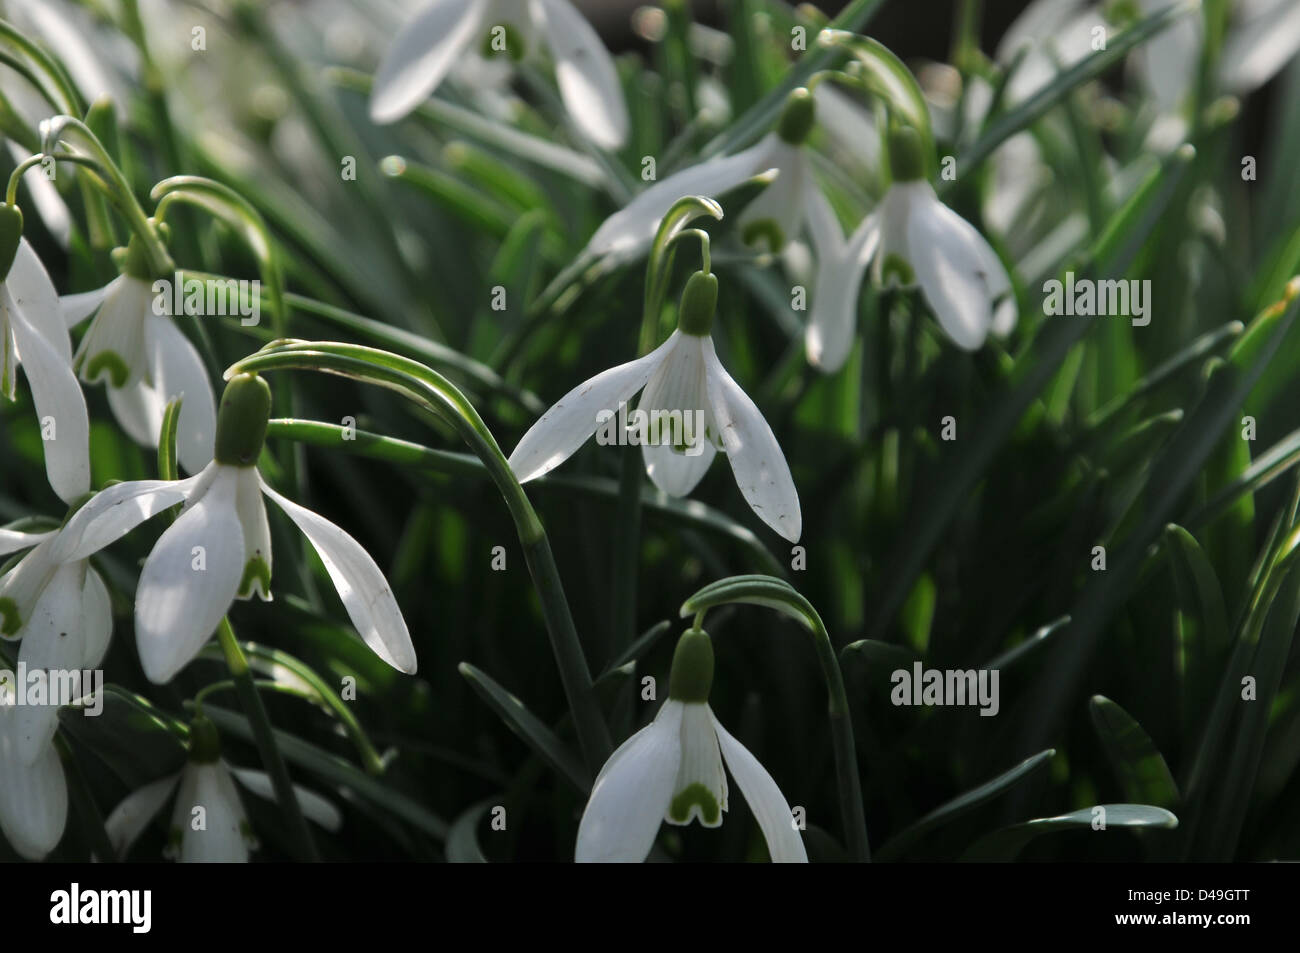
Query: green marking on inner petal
[(111, 362), (764, 230), (695, 794), (10, 618), (255, 571), (895, 267)]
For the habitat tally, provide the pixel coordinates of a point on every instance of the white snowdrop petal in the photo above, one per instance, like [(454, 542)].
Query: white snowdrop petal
[(77, 307), (631, 793), (33, 798), (674, 435), (116, 510), (12, 540), (586, 75), (189, 580), (178, 371), (765, 800), (424, 50), (953, 271), (755, 456), (313, 806), (216, 835), (700, 791), (361, 585), (572, 420), (97, 620), (36, 297), (53, 643), (130, 818)]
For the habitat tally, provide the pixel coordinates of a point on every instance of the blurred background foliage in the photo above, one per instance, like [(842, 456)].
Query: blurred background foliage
[(970, 553)]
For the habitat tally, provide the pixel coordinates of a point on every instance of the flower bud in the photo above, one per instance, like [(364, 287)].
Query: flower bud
[(241, 421), (205, 744), (797, 117), (692, 672), (699, 299)]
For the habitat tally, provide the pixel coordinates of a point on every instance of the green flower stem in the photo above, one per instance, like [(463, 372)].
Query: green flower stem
[(272, 760), (429, 388), (116, 188), (627, 547)]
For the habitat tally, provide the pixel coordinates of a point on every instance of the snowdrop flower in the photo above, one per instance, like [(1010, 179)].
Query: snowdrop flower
[(145, 359), (62, 613), (841, 264), (431, 43), (31, 334), (923, 242), (33, 795), (682, 376), (208, 823), (772, 219), (672, 770), (220, 547)]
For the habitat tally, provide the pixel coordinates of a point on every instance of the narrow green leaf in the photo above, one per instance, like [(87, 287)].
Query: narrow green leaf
[(1143, 775), (1005, 844)]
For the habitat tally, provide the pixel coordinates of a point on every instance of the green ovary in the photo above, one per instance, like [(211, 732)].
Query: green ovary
[(108, 361), (10, 618), (695, 795)]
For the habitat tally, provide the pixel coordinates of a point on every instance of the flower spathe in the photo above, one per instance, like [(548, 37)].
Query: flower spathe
[(33, 335), (684, 376), (219, 549), (208, 822), (673, 770), (146, 362), (442, 32)]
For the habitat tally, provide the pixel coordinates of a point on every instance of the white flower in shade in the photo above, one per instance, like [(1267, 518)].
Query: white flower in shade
[(771, 220), (146, 361), (62, 613), (672, 770), (32, 334), (219, 548), (681, 377), (33, 794), (841, 265), (443, 32), (208, 824)]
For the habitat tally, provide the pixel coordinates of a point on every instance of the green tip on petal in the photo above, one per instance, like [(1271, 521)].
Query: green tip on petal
[(798, 117), (10, 619), (241, 422), (691, 677), (256, 578), (205, 743), (109, 364), (11, 232), (896, 268), (906, 154), (694, 795), (699, 300)]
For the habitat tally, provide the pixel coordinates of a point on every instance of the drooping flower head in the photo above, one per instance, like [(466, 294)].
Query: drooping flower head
[(672, 770), (441, 33), (144, 359), (220, 547), (682, 378), (208, 822)]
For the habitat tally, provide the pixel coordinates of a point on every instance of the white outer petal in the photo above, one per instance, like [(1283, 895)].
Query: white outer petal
[(178, 371), (361, 585), (178, 607), (586, 74), (313, 805), (755, 456), (222, 841), (130, 818), (31, 287), (97, 613), (630, 231), (424, 50), (840, 268), (53, 642), (632, 793), (113, 512), (568, 425), (12, 540), (58, 399), (77, 307), (765, 800), (33, 798)]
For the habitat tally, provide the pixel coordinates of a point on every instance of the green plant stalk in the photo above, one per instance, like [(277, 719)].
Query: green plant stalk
[(272, 760), (429, 388), (844, 747), (627, 547)]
